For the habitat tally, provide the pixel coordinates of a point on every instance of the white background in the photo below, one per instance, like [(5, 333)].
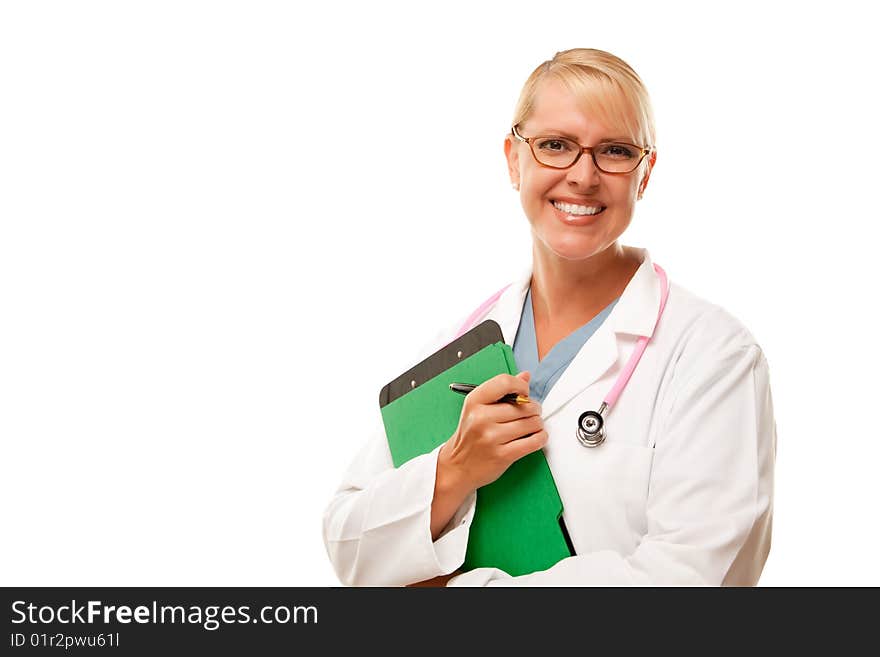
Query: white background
[(225, 225)]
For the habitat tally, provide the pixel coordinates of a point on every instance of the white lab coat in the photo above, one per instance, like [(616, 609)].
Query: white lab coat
[(681, 492)]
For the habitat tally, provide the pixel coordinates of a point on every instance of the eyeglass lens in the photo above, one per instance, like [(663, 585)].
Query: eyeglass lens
[(611, 157)]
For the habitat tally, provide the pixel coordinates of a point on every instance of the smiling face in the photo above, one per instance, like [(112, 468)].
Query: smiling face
[(579, 212)]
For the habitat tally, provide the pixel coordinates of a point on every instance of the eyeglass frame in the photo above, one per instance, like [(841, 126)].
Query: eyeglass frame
[(646, 150)]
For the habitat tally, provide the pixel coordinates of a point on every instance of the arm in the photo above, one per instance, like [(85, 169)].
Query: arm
[(377, 527), (710, 500), (480, 450), (385, 526)]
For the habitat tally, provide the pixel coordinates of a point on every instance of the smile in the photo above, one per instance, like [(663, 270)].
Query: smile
[(578, 210)]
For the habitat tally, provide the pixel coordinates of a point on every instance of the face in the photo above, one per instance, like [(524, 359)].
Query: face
[(560, 203)]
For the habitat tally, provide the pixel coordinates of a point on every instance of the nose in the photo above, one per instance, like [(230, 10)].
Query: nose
[(584, 173)]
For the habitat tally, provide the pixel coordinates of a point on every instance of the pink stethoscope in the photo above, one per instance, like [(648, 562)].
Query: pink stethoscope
[(591, 424)]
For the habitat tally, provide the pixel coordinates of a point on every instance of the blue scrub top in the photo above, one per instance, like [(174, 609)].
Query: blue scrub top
[(546, 372)]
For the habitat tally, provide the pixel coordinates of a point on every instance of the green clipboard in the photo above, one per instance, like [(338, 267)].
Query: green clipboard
[(518, 524)]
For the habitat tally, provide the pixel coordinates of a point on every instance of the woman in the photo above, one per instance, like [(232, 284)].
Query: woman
[(680, 492)]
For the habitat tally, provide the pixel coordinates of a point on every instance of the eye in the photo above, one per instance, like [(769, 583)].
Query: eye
[(551, 145), (617, 151)]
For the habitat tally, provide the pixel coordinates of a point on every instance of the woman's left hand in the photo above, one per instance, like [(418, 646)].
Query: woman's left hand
[(441, 580)]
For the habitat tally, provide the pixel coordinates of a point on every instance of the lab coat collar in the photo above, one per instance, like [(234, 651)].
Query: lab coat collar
[(635, 314)]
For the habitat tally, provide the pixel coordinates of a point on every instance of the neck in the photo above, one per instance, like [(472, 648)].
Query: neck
[(572, 292)]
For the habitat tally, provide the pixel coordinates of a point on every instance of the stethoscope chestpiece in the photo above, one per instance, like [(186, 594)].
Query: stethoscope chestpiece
[(591, 428)]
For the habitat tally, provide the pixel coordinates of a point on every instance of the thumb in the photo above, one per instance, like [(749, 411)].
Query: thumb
[(525, 376)]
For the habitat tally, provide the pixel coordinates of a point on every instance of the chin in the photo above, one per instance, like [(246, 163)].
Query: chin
[(574, 256), (574, 249)]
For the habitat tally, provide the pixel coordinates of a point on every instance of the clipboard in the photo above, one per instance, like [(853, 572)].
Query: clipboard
[(517, 525)]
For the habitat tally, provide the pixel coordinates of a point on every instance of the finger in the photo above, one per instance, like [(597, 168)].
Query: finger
[(529, 409), (502, 413), (520, 428), (495, 388), (516, 449)]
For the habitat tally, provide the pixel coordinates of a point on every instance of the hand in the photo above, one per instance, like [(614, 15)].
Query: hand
[(490, 436), (438, 581)]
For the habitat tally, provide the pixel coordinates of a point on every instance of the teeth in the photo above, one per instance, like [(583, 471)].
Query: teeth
[(577, 209)]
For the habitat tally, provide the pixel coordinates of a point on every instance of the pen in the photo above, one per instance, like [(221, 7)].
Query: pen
[(465, 388)]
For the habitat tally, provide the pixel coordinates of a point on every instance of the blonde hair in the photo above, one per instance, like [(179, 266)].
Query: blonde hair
[(606, 87)]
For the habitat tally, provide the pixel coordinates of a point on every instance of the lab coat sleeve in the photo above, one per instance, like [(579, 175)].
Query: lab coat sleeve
[(377, 527), (709, 504)]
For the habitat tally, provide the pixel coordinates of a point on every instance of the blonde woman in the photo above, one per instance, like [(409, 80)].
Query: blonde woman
[(678, 488)]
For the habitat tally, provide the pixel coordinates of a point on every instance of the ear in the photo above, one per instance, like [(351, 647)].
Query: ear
[(511, 152), (644, 183)]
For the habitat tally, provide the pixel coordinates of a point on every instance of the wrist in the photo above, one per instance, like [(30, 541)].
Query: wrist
[(450, 493), (451, 482)]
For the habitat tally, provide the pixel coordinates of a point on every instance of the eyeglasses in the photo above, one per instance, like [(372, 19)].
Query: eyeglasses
[(562, 153)]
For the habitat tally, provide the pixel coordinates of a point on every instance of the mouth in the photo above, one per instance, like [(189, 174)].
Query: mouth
[(576, 214), (578, 210)]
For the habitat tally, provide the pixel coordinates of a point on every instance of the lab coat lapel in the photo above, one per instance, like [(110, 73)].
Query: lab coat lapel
[(597, 355), (508, 310), (608, 348)]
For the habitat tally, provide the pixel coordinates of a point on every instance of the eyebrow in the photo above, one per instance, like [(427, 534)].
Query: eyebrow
[(567, 135)]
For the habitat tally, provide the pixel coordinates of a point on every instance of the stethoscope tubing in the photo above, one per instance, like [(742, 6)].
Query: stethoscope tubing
[(641, 345), (591, 424)]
